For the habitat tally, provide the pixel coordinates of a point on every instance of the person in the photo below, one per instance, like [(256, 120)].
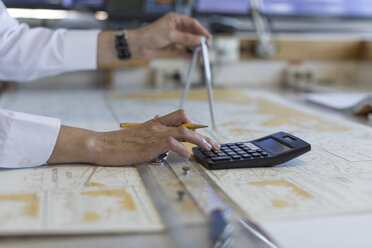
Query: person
[(29, 53)]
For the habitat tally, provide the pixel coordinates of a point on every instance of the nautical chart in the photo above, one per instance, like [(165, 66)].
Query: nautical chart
[(73, 198), (76, 198), (334, 178)]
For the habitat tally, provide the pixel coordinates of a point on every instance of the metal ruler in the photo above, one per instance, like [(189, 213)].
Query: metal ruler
[(210, 197), (196, 185), (178, 233)]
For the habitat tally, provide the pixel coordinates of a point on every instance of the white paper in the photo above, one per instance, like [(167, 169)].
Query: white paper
[(337, 231), (338, 100)]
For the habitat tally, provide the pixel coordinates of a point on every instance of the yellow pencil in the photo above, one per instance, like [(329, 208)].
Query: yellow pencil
[(188, 125)]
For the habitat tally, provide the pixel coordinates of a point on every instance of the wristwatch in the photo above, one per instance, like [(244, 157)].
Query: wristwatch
[(121, 45)]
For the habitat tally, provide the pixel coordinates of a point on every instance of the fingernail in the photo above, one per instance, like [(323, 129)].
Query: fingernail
[(209, 146), (186, 155)]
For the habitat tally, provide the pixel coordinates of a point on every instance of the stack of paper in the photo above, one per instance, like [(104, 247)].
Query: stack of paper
[(358, 103)]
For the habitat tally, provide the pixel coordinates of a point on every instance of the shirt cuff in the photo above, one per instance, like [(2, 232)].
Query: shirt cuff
[(26, 140), (80, 50)]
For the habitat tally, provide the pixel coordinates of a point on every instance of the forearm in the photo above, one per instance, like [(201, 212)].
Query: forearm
[(75, 145), (106, 49)]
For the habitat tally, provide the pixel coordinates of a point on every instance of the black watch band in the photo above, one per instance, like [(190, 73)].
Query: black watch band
[(121, 45)]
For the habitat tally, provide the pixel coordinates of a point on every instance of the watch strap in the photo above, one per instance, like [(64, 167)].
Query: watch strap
[(121, 45)]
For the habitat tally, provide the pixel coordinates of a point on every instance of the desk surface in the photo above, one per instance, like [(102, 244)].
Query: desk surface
[(323, 182)]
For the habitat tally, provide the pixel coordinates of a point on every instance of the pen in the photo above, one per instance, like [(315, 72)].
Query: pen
[(188, 125)]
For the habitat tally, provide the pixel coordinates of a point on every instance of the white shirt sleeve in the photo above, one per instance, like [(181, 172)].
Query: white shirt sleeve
[(27, 54), (26, 140), (30, 53)]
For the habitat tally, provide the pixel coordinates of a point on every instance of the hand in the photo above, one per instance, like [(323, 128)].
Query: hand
[(145, 142), (133, 145), (164, 35)]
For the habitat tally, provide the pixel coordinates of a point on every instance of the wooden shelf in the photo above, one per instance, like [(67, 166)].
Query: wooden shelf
[(314, 50), (123, 64)]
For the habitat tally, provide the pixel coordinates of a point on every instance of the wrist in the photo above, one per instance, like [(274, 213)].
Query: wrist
[(93, 147), (75, 145), (135, 43)]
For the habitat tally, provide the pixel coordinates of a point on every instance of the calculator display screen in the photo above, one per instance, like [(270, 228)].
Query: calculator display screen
[(273, 146)]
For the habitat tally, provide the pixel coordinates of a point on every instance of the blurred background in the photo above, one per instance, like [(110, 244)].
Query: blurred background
[(301, 45)]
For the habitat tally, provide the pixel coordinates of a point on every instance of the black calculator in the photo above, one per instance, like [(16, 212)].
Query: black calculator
[(268, 151)]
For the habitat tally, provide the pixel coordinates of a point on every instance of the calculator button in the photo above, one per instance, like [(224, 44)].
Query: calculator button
[(252, 146), (259, 150), (220, 153), (210, 154), (231, 153), (251, 151), (256, 155), (239, 143), (230, 144), (246, 156), (265, 154), (221, 158), (235, 156), (241, 152)]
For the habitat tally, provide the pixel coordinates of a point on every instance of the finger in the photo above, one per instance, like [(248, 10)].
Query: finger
[(184, 38), (174, 49), (177, 147), (215, 145), (175, 119), (185, 135), (192, 25), (208, 44), (180, 53)]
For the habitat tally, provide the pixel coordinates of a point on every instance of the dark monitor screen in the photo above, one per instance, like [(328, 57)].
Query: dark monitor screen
[(358, 8), (155, 6), (55, 4), (273, 146), (95, 4), (143, 9), (238, 7)]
